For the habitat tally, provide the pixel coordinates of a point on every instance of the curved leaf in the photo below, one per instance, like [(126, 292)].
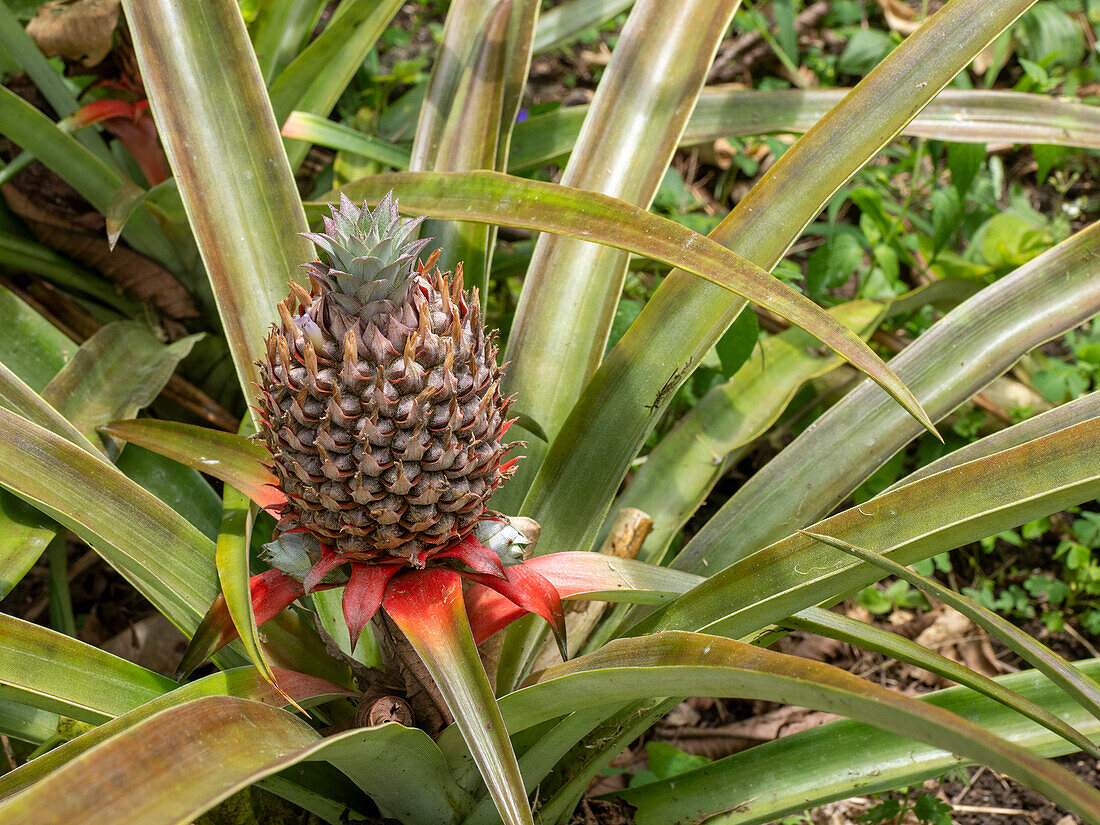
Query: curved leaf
[(427, 606), (696, 664), (243, 683), (683, 468), (316, 78), (501, 199), (227, 457), (1042, 658), (227, 159), (160, 776), (643, 101), (627, 395), (964, 351), (1074, 412), (324, 132), (869, 637), (825, 763), (960, 115), (162, 554), (115, 373), (913, 522), (56, 672)]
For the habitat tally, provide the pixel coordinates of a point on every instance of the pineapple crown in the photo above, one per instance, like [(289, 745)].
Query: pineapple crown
[(370, 255)]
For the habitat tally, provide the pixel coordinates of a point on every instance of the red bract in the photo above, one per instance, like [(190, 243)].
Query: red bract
[(133, 126), (518, 589)]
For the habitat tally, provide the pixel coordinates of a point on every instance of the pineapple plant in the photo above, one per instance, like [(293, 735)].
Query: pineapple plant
[(381, 396), (381, 402)]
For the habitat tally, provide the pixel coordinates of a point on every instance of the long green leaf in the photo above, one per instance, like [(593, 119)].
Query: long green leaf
[(115, 373), (961, 115), (643, 102), (496, 198), (157, 775), (77, 166), (683, 468), (564, 22), (839, 759), (701, 665), (231, 558), (628, 394), (27, 724), (243, 683), (869, 637), (21, 399), (279, 30), (469, 141), (1074, 412), (227, 457), (166, 558), (324, 132), (964, 351), (33, 348), (316, 78), (1042, 658), (56, 672), (227, 158), (428, 608), (938, 513)]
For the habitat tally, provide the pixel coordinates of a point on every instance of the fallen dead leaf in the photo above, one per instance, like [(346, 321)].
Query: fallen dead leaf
[(80, 30)]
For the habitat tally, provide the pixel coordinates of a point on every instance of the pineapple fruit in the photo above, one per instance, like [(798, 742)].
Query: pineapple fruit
[(381, 398)]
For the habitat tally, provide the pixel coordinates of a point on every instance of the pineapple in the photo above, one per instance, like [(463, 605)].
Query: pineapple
[(381, 397)]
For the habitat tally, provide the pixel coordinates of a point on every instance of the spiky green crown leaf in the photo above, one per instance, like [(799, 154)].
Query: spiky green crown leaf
[(370, 255)]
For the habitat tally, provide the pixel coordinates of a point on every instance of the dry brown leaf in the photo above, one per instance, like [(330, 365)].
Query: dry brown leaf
[(83, 239), (899, 16), (80, 30)]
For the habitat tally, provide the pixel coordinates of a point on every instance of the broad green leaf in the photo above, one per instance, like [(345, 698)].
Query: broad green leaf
[(560, 25), (701, 665), (227, 457), (937, 513), (231, 558), (18, 398), (839, 759), (27, 255), (964, 351), (643, 102), (184, 490), (429, 610), (465, 18), (495, 198), (163, 555), (1031, 650), (316, 78), (960, 115), (227, 159), (683, 468), (115, 373), (33, 348), (94, 179), (324, 132), (244, 683), (27, 724), (26, 535), (167, 769), (469, 141), (628, 394), (869, 637), (1075, 412), (55, 672), (280, 30)]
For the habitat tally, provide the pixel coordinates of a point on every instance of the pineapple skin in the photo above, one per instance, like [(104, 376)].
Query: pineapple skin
[(384, 417)]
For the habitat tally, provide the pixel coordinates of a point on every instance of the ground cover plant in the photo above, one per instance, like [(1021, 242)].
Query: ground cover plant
[(379, 585)]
